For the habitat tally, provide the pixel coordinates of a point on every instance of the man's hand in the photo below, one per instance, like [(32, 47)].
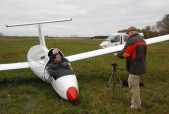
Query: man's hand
[(115, 54)]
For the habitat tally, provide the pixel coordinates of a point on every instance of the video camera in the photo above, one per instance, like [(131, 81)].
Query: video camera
[(114, 64)]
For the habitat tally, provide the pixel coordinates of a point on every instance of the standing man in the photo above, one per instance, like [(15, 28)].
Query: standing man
[(135, 53)]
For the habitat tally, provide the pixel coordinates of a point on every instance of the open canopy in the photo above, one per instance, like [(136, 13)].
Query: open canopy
[(37, 60)]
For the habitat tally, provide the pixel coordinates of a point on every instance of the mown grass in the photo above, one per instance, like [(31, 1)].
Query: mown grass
[(22, 92)]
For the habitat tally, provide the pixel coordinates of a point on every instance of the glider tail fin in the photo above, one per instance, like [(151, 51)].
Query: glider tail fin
[(41, 36)]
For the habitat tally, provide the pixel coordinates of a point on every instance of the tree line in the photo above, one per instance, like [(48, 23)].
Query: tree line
[(161, 28)]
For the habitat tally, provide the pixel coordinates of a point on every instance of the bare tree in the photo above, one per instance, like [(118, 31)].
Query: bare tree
[(163, 25)]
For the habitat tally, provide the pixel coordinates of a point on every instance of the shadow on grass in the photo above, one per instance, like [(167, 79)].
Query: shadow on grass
[(20, 81)]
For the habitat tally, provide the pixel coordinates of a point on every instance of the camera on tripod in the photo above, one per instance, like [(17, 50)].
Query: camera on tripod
[(114, 76), (114, 64)]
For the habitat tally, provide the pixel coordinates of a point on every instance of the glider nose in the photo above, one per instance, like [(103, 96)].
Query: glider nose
[(72, 93)]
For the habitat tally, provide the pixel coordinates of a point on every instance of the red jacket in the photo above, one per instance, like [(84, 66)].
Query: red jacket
[(136, 49)]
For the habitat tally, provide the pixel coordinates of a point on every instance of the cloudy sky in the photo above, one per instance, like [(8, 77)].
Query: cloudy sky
[(90, 17)]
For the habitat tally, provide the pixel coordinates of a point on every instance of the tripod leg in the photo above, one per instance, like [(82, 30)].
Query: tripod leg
[(119, 80), (114, 81), (109, 80), (108, 84)]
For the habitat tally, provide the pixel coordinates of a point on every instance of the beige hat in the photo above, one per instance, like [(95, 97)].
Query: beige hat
[(132, 28)]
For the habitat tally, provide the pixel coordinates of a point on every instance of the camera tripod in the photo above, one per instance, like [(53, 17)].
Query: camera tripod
[(114, 77)]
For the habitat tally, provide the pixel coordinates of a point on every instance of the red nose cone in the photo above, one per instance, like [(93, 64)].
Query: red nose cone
[(72, 93)]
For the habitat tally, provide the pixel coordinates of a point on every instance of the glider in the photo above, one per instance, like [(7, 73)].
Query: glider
[(38, 56)]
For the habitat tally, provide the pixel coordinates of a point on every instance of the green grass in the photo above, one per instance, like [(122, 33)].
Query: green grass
[(21, 91)]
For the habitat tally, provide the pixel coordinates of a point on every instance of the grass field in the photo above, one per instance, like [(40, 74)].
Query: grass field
[(22, 92)]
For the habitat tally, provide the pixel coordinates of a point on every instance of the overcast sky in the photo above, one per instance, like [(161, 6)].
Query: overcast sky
[(90, 17)]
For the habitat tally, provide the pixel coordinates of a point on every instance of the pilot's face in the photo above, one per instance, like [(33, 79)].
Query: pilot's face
[(57, 58)]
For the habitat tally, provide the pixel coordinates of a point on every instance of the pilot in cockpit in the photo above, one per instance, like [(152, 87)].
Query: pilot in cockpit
[(58, 65)]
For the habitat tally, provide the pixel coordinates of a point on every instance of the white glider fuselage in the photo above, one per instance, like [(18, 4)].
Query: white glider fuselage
[(66, 85)]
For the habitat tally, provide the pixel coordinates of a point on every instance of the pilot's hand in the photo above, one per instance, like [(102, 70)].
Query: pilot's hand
[(69, 65)]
